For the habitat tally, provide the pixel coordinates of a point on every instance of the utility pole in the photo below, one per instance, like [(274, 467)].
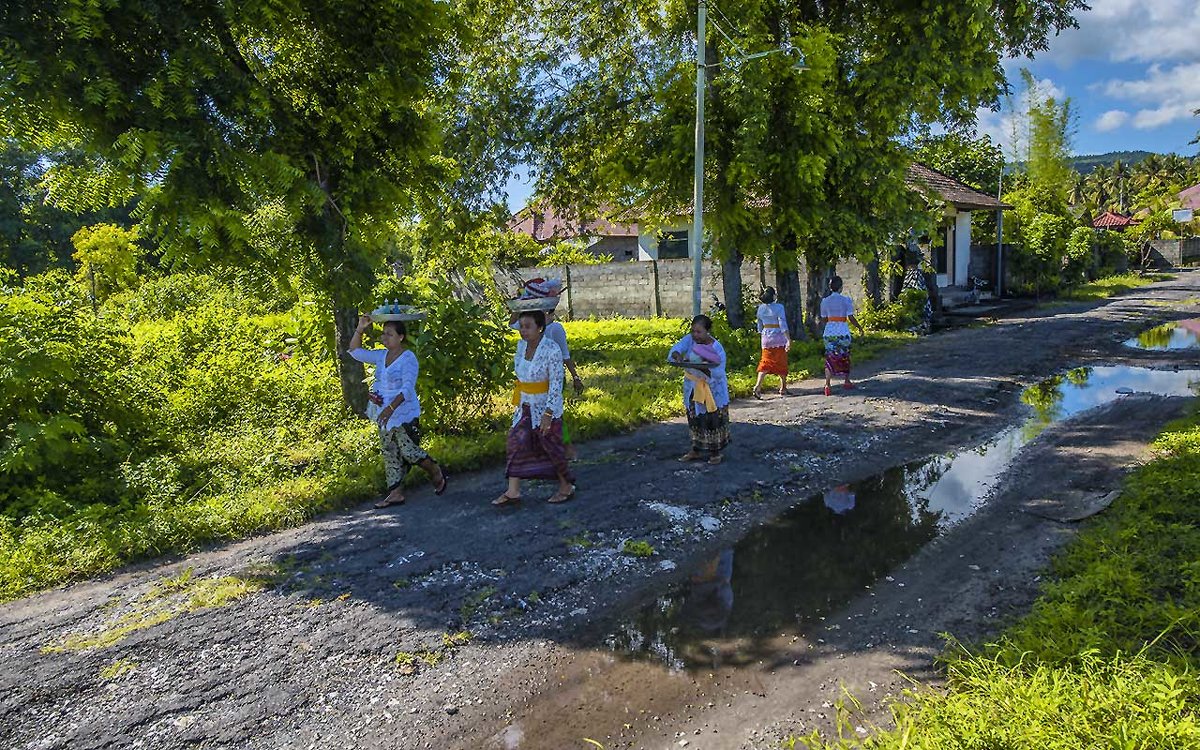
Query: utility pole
[(695, 239)]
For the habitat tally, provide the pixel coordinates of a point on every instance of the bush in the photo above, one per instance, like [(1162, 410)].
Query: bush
[(465, 348), (905, 314), (71, 411)]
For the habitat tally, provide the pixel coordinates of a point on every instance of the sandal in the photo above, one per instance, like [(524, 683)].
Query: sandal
[(828, 391), (714, 460), (387, 502), (445, 483), (506, 499), (847, 386), (558, 497), (757, 394), (690, 456)]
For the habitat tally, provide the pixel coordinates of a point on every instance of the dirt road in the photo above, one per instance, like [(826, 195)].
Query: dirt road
[(348, 632)]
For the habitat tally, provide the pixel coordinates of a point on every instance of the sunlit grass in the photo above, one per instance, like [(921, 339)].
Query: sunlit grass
[(1109, 657), (1110, 286)]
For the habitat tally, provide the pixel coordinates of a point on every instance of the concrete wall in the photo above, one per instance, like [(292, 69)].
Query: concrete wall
[(1171, 253), (661, 288)]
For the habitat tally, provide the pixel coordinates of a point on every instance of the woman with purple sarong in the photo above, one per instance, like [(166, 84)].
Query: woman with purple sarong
[(535, 446)]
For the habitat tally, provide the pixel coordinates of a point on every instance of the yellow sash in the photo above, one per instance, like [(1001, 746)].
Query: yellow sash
[(701, 392), (533, 389), (837, 320), (770, 325)]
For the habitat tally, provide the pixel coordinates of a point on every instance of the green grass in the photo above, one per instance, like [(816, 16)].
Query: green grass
[(637, 548), (1110, 286), (1109, 656), (335, 461)]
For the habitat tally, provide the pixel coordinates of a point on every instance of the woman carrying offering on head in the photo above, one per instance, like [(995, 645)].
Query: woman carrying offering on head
[(535, 446), (395, 408), (705, 391), (837, 315), (776, 342), (552, 290)]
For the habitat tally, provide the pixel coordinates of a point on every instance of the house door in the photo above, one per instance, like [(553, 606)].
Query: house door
[(943, 258)]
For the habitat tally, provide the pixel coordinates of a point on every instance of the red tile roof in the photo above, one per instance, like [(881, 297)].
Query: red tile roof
[(958, 194), (545, 224), (1110, 220), (1190, 198)]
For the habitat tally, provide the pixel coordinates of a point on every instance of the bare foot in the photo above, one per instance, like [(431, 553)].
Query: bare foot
[(395, 497)]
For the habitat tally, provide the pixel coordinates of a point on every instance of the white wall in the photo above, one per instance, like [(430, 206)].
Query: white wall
[(962, 248)]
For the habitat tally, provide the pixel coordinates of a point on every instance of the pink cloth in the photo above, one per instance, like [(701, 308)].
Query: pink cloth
[(707, 352)]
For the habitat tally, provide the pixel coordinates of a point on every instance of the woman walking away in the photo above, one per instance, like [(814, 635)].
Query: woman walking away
[(535, 447), (776, 342), (837, 315), (394, 406), (705, 391)]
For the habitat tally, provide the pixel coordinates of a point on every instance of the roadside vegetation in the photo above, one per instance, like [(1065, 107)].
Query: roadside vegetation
[(1110, 654), (186, 409)]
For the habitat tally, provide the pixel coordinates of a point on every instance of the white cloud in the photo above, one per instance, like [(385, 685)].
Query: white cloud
[(1111, 120), (1166, 94), (1125, 30)]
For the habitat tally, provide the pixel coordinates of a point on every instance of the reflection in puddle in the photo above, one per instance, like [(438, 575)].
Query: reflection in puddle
[(1183, 334), (817, 555)]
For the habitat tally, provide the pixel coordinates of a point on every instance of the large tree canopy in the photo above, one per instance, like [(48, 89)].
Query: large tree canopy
[(285, 134), (821, 150)]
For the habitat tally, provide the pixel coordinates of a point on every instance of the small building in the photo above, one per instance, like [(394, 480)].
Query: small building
[(609, 234), (951, 251), (1112, 221)]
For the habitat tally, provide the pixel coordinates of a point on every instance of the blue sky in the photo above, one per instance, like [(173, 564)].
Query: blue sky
[(1131, 70)]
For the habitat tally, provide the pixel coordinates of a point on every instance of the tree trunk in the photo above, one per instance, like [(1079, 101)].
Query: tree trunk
[(731, 279), (350, 371), (787, 287), (818, 283), (874, 282)]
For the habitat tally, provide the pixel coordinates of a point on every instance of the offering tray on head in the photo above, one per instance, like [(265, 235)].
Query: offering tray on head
[(530, 304), (390, 311)]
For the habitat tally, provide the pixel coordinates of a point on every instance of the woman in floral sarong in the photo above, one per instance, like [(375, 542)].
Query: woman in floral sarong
[(837, 315), (705, 391), (535, 446)]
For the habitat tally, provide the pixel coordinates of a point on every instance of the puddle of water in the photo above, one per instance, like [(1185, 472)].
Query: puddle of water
[(816, 556), (1183, 334)]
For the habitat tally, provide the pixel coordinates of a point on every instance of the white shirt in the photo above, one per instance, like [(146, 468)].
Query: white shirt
[(390, 381), (837, 305), (772, 314), (546, 366)]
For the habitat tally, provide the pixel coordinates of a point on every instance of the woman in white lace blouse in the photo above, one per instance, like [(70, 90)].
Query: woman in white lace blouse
[(535, 447)]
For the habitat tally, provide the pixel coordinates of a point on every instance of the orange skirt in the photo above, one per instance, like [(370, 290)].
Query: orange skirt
[(774, 361)]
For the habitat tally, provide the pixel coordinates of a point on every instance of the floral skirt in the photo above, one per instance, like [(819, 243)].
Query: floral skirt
[(710, 431), (532, 455), (774, 361), (401, 451), (837, 355)]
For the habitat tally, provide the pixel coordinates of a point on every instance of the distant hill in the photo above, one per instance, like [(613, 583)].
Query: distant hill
[(1086, 163)]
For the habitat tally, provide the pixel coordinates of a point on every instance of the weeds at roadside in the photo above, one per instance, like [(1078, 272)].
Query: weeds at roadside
[(409, 663), (637, 548)]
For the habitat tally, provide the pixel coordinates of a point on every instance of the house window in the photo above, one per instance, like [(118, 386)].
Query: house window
[(673, 244)]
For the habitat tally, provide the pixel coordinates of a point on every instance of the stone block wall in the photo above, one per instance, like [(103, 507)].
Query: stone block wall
[(646, 289)]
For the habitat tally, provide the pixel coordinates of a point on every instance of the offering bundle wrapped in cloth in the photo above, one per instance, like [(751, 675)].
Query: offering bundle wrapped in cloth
[(537, 294)]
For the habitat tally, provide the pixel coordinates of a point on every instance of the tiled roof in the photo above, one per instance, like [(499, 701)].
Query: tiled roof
[(1110, 220), (1190, 198), (544, 224), (952, 191)]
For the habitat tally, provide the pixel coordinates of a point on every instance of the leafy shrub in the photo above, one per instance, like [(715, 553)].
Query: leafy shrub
[(1078, 261), (70, 409), (905, 314), (465, 348)]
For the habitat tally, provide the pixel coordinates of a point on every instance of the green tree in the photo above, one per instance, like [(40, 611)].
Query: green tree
[(802, 168), (108, 259), (289, 135)]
